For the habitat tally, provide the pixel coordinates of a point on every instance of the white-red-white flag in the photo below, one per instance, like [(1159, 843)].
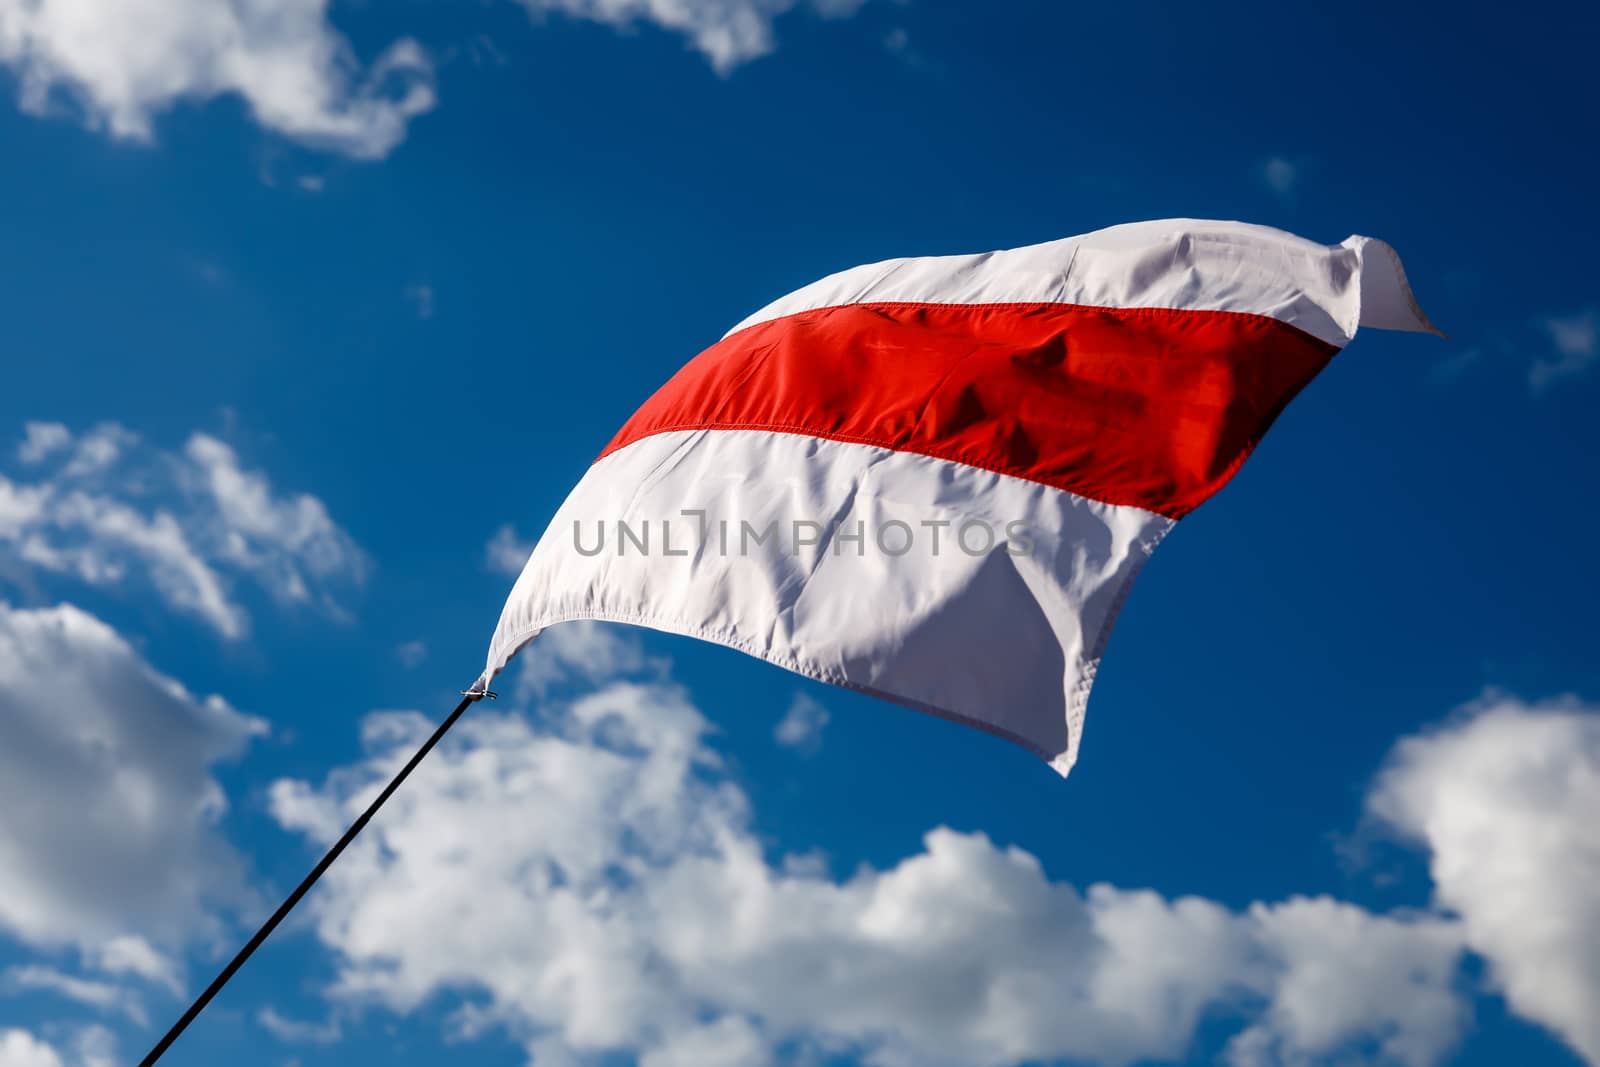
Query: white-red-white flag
[(934, 480)]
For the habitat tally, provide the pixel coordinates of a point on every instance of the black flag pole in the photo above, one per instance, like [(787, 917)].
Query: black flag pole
[(468, 698)]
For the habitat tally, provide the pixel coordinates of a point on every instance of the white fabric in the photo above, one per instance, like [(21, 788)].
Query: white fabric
[(1009, 643), (1325, 290), (1005, 642)]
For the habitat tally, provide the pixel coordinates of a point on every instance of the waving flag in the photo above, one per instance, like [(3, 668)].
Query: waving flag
[(934, 480)]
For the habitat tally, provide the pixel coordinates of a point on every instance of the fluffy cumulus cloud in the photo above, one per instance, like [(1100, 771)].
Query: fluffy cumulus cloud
[(1353, 978), (120, 65), (726, 32), (582, 652), (19, 1048), (1505, 800), (605, 894), (89, 1046), (109, 846), (106, 508)]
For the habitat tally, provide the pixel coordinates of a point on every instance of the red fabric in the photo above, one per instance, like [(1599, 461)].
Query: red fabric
[(1149, 407)]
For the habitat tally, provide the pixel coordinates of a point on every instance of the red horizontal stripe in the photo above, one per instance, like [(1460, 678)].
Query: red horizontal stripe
[(1150, 407)]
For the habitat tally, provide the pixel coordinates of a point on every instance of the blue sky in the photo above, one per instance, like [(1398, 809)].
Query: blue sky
[(308, 310)]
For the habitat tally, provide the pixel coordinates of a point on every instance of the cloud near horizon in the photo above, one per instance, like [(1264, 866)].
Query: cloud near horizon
[(640, 914)]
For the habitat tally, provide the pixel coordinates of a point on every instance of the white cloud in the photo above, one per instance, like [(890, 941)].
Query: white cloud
[(1505, 800), (92, 1046), (1349, 977), (506, 552), (99, 449), (801, 726), (283, 539), (95, 1046), (88, 536), (582, 651), (298, 1031), (42, 438), (729, 1041), (130, 955), (106, 996), (105, 506), (105, 777), (638, 913), (122, 64), (20, 506), (726, 32), (1576, 340), (18, 1048), (1281, 175)]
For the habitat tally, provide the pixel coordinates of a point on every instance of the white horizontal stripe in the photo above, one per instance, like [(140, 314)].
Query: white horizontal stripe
[(1007, 642), (1325, 290)]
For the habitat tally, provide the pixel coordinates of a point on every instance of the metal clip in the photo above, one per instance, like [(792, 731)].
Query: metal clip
[(479, 694)]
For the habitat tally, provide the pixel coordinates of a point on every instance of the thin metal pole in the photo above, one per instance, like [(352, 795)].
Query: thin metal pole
[(310, 880)]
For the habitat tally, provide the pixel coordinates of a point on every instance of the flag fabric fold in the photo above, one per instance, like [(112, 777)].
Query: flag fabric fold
[(934, 480)]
